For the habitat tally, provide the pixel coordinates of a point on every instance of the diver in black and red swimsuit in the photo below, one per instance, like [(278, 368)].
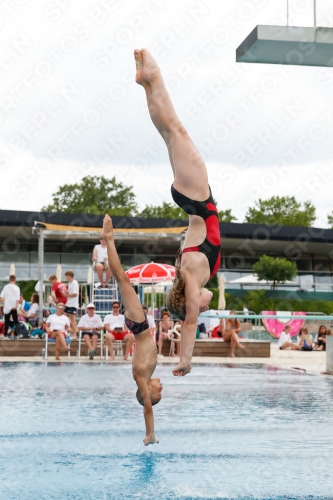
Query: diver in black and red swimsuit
[(199, 258), (211, 246)]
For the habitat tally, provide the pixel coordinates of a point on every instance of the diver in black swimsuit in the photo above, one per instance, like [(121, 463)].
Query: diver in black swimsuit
[(199, 259), (150, 389)]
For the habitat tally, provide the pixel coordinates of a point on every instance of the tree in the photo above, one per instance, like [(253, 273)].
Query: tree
[(94, 195), (172, 211), (273, 269), (330, 220), (281, 210), (226, 216), (164, 211)]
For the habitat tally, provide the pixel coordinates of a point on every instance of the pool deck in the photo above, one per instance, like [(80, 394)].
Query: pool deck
[(313, 363)]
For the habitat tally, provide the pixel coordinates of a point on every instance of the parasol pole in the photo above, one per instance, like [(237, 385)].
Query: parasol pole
[(221, 304), (152, 295)]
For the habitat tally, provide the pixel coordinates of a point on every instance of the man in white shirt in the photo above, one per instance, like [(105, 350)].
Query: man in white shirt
[(11, 298), (91, 325), (245, 312), (57, 327), (150, 318), (116, 329), (285, 342), (100, 260), (72, 301)]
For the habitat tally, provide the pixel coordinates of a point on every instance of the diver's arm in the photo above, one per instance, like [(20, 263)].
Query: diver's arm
[(147, 412)]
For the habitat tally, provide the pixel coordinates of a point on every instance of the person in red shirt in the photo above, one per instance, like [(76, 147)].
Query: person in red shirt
[(59, 290)]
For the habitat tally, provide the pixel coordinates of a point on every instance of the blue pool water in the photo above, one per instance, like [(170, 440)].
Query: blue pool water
[(75, 432)]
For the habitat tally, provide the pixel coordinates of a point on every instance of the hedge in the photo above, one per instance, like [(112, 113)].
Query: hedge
[(257, 301)]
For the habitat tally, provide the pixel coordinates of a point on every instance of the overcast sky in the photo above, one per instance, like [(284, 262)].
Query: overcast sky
[(69, 106)]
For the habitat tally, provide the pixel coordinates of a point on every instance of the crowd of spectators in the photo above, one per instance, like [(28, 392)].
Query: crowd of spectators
[(16, 310), (305, 342)]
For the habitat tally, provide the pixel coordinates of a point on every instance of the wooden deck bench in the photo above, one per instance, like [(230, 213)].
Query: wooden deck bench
[(32, 347), (205, 348), (218, 348)]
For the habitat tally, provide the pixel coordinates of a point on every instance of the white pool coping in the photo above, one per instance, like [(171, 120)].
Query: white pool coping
[(313, 363)]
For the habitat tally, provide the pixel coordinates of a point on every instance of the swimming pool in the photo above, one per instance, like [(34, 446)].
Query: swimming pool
[(74, 431)]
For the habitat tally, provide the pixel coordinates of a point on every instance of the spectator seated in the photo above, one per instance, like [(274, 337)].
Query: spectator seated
[(90, 326)]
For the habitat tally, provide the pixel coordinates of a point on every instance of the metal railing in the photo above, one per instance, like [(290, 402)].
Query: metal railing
[(327, 320)]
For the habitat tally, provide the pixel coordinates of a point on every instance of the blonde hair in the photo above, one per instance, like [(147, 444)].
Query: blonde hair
[(152, 399), (175, 300)]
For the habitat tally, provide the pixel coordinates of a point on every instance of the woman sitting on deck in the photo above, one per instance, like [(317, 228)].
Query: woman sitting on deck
[(230, 334), (32, 314)]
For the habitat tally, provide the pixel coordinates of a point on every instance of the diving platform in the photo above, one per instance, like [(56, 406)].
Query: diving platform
[(288, 45)]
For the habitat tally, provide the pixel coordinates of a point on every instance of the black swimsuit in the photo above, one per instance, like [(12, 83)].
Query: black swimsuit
[(211, 246), (136, 327)]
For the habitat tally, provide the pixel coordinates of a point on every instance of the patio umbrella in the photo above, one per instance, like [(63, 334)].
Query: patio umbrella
[(58, 272), (160, 287), (12, 269), (90, 275), (221, 304), (151, 273)]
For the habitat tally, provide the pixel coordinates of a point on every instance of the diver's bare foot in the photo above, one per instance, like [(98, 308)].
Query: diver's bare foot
[(181, 370), (146, 67), (107, 231), (139, 77)]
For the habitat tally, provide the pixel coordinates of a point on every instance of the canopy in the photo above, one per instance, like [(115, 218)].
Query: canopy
[(151, 273), (251, 278)]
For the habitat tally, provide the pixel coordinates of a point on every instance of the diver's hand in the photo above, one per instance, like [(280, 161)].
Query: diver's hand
[(150, 439)]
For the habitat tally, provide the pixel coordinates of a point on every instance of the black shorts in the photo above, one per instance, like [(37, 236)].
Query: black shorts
[(70, 310), (91, 334)]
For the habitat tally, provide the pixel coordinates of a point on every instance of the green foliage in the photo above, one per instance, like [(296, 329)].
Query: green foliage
[(172, 211), (164, 211), (258, 300), (94, 195), (27, 288), (213, 283), (330, 220), (273, 269), (281, 210), (234, 303), (226, 216), (215, 300)]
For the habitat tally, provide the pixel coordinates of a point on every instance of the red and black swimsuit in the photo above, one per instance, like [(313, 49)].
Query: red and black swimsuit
[(207, 210)]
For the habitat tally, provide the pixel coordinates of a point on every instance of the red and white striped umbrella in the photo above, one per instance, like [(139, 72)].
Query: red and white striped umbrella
[(151, 273)]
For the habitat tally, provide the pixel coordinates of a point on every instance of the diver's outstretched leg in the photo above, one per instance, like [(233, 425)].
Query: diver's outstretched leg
[(190, 171)]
